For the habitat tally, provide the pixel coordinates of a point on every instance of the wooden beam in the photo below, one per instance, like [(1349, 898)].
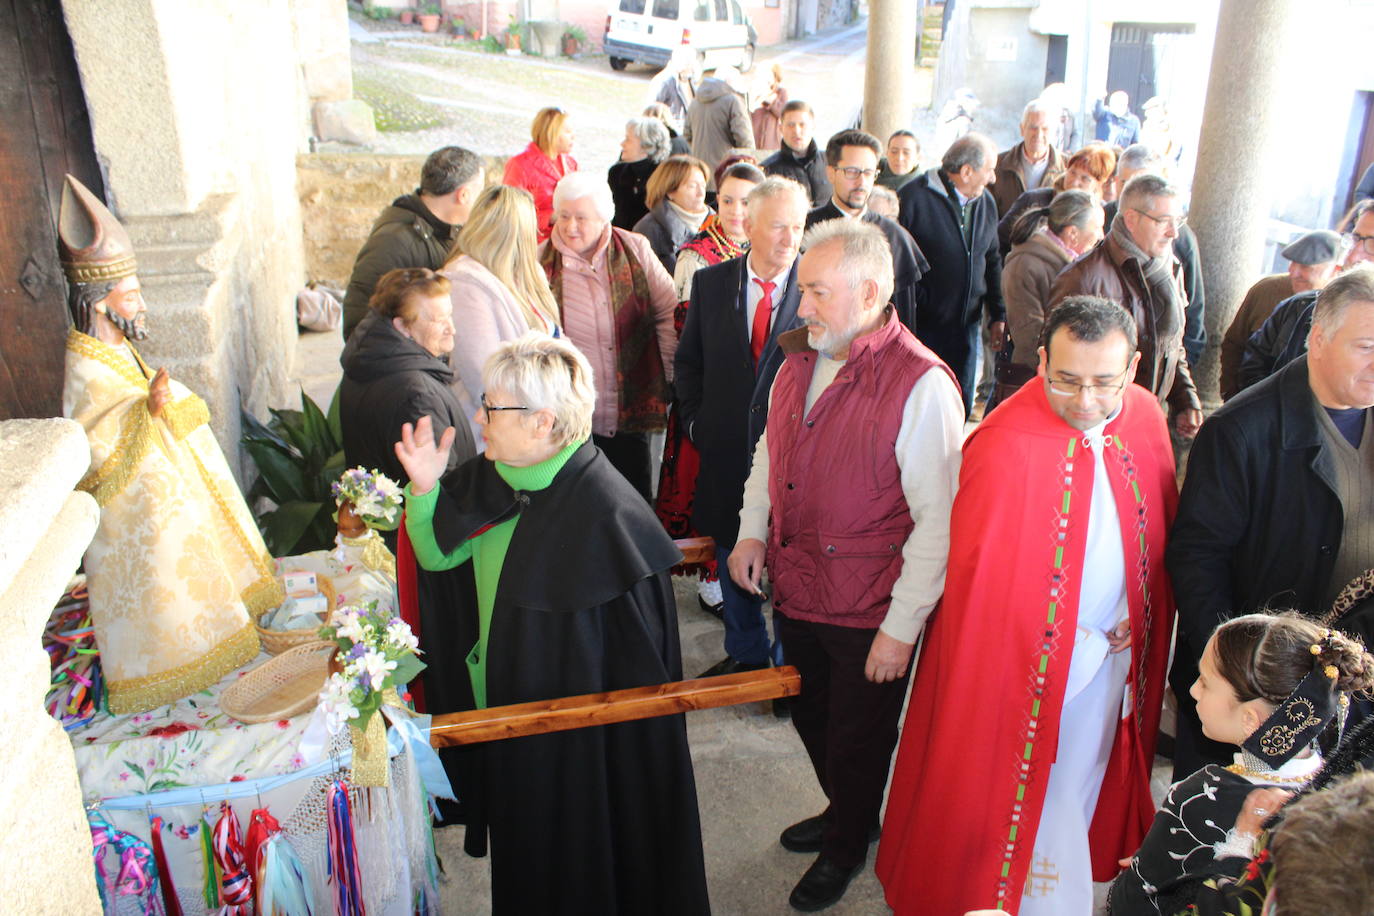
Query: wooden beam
[(697, 550), (566, 713)]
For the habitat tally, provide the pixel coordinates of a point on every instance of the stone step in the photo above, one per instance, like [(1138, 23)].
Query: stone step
[(206, 226)]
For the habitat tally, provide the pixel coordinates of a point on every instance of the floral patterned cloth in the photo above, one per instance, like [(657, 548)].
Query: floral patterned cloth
[(191, 742)]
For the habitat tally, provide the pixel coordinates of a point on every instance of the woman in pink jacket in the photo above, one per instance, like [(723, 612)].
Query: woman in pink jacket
[(498, 289), (547, 159)]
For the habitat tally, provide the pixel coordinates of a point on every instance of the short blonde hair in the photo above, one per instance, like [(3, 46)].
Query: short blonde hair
[(669, 175), (500, 235), (548, 124), (544, 372)]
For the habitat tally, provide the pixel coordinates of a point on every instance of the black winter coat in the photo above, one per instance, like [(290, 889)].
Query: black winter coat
[(594, 820), (807, 170), (1280, 340), (390, 380), (629, 181), (1259, 522), (964, 282), (908, 263), (722, 397), (406, 234)]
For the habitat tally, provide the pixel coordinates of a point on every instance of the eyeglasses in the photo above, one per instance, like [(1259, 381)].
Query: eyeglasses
[(1177, 222), (1355, 241), (488, 409), (1101, 392), (853, 172)]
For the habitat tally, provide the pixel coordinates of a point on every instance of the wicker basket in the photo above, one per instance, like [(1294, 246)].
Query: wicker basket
[(275, 642), (280, 687)]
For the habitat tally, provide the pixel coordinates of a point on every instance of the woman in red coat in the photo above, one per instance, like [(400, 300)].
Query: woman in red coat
[(547, 159)]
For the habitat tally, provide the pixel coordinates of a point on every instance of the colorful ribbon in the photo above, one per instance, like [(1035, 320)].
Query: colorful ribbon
[(235, 883), (344, 873), (137, 869), (169, 891)]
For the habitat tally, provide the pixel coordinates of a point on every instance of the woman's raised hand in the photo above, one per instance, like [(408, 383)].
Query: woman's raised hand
[(423, 458)]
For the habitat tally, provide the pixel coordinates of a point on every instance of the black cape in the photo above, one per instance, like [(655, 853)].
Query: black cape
[(599, 820)]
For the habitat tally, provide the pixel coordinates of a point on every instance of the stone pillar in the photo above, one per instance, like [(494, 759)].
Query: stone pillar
[(1232, 185), (45, 846), (889, 70)]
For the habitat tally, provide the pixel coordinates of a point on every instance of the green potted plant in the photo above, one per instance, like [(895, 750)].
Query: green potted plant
[(430, 14), (573, 38), (513, 35), (407, 15)]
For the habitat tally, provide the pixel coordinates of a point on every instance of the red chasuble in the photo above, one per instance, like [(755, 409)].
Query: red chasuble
[(982, 726)]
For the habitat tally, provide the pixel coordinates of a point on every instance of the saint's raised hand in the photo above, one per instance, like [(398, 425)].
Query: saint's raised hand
[(159, 392), (423, 458)]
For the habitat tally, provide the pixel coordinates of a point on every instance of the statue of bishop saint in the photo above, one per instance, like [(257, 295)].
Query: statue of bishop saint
[(178, 568)]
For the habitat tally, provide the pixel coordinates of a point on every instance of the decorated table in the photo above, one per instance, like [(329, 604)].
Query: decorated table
[(158, 784)]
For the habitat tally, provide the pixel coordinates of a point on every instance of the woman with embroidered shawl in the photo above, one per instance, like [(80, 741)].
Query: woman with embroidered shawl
[(616, 305)]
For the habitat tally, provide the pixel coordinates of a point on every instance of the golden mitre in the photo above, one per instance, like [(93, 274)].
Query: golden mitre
[(93, 246)]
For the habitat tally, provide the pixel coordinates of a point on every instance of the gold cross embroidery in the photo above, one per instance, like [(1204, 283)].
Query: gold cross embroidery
[(1041, 883)]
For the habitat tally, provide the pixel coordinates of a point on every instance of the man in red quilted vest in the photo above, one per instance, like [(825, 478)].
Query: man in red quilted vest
[(847, 504)]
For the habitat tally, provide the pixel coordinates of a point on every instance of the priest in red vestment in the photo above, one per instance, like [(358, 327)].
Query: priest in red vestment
[(1023, 772)]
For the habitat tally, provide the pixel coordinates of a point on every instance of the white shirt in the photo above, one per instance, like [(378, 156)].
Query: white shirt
[(928, 456), (753, 293)]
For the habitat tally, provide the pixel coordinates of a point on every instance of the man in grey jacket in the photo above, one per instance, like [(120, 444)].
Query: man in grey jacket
[(418, 229), (717, 120)]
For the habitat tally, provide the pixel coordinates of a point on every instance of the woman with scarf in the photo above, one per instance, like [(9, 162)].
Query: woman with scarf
[(616, 305), (676, 197)]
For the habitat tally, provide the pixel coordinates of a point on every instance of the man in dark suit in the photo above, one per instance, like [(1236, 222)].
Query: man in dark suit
[(725, 365), (953, 218), (851, 159)]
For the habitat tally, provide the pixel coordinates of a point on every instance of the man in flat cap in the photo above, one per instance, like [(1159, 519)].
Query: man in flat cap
[(1282, 338), (1312, 261), (177, 566)]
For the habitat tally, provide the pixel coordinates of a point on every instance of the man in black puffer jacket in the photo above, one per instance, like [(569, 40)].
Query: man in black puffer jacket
[(418, 229), (799, 158)]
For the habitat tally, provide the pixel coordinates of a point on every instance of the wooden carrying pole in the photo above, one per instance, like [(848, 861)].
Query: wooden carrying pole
[(543, 716)]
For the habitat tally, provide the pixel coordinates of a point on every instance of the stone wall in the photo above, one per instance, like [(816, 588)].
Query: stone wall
[(45, 846), (198, 143), (340, 196)]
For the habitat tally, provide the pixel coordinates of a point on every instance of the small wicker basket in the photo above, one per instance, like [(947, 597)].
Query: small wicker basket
[(280, 687), (275, 642)]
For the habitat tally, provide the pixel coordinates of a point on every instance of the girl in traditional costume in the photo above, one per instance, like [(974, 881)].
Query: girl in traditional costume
[(1271, 684)]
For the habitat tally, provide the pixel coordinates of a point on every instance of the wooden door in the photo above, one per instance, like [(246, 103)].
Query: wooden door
[(1144, 58), (48, 133)]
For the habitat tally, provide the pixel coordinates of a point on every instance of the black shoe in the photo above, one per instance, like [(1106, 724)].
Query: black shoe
[(782, 708), (716, 610), (823, 885), (806, 836), (728, 665)]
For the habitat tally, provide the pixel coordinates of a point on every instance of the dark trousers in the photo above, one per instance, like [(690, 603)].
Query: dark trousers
[(746, 630), (629, 454), (848, 725)]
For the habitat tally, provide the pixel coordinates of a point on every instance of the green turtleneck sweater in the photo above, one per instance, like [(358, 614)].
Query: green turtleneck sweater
[(487, 550)]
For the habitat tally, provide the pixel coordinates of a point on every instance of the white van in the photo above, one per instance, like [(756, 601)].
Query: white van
[(647, 32)]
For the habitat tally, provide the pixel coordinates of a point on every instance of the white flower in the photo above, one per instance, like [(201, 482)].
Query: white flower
[(336, 704), (399, 635), (373, 668), (349, 626), (388, 488)]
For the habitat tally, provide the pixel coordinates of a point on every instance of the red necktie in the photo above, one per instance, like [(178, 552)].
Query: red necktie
[(763, 312)]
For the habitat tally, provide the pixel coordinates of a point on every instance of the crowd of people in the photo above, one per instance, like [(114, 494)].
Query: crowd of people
[(796, 333)]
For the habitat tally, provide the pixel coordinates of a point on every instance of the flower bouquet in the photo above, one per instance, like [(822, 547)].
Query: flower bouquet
[(374, 497), (377, 653)]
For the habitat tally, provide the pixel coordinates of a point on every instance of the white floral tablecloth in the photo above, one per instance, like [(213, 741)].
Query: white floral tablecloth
[(191, 743)]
